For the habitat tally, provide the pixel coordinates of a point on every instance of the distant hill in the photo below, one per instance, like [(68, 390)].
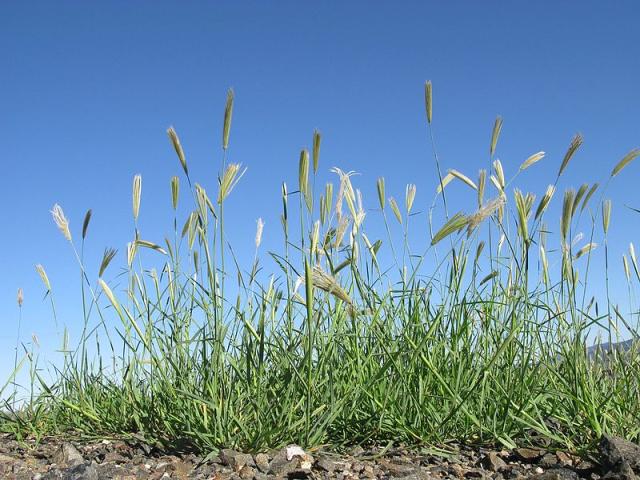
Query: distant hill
[(607, 347)]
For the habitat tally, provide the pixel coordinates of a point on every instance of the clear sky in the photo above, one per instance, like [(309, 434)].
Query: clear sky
[(88, 89)]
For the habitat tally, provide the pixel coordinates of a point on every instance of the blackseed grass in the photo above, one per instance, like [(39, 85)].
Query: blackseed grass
[(383, 344)]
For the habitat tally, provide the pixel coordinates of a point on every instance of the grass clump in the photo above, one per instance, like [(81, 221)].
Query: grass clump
[(353, 339)]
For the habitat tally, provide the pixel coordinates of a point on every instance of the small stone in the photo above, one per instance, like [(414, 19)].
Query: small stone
[(356, 451), (291, 461), (80, 472), (262, 462), (539, 470), (325, 464), (235, 460), (558, 474), (67, 456), (493, 462), (247, 472), (564, 459), (529, 454)]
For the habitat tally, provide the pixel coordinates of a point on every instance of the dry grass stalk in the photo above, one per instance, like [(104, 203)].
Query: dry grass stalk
[(329, 284), (625, 264), (61, 221)]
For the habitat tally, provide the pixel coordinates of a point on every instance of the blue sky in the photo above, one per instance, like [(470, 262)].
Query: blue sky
[(88, 89)]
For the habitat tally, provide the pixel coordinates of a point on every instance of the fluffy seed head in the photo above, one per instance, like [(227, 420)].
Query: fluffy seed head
[(495, 134), (576, 141), (428, 99), (61, 221), (20, 297), (43, 277), (259, 228)]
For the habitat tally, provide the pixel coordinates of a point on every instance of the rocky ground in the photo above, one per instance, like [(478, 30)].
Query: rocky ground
[(53, 459)]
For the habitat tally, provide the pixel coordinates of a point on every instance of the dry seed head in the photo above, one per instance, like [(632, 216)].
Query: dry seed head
[(259, 229), (495, 134), (482, 181), (445, 181), (35, 340), (329, 284), (587, 197), (61, 221), (625, 264), (85, 223), (228, 114), (315, 236), (381, 195), (328, 197), (107, 256), (497, 165), (606, 215), (586, 249), (410, 195), (175, 141), (464, 178), (523, 206), (132, 248), (395, 209), (175, 191), (230, 178), (581, 191), (567, 209), (626, 160), (428, 99), (484, 212), (544, 201), (341, 229), (137, 192), (43, 277), (317, 137), (454, 224), (576, 141), (20, 297), (536, 157)]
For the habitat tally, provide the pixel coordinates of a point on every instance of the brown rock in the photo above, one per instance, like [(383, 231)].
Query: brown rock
[(529, 454), (493, 462), (67, 455), (262, 462), (235, 460)]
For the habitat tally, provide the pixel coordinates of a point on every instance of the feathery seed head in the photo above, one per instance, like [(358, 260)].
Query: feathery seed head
[(228, 114), (381, 195), (175, 141), (576, 142), (61, 221), (20, 297), (428, 99), (259, 228), (175, 191), (495, 134), (317, 138), (606, 215), (43, 276), (137, 192), (410, 195)]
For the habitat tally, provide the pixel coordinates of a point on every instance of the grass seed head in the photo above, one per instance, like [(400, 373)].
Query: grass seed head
[(259, 229), (606, 215), (107, 256), (317, 138), (626, 160), (137, 193), (61, 221), (536, 157), (428, 99), (175, 191), (396, 211), (175, 141), (228, 114), (43, 276), (20, 297), (410, 195), (495, 134), (85, 223), (381, 194), (576, 142)]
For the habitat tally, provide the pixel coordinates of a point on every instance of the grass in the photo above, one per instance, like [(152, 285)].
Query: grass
[(478, 338)]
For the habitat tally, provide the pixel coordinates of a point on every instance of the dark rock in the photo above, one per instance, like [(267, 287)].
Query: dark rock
[(80, 472), (548, 460), (622, 471), (291, 461), (326, 464), (67, 455), (616, 450), (558, 474)]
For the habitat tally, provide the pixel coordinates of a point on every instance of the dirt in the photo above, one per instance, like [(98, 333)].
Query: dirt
[(56, 459)]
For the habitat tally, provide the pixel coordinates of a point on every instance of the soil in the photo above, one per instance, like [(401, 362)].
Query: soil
[(56, 459)]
